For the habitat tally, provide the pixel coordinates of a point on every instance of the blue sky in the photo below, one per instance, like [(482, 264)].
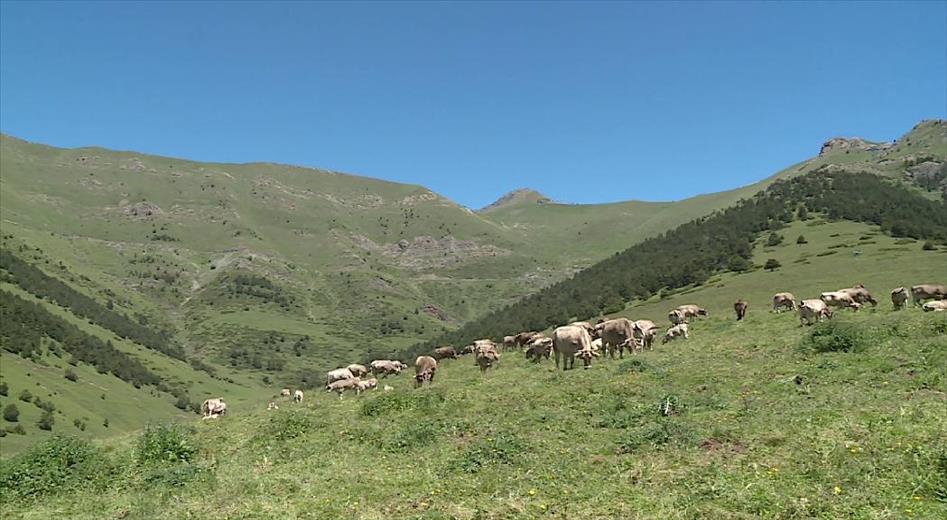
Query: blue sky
[(584, 102)]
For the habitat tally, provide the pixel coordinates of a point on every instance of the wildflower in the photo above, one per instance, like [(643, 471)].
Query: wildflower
[(533, 492), (917, 497), (837, 490)]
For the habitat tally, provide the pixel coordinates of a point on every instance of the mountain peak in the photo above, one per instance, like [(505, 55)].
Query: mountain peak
[(518, 197)]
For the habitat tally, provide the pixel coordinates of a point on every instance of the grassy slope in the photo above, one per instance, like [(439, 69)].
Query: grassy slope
[(863, 435)]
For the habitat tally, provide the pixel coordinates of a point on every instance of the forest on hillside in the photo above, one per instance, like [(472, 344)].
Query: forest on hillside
[(722, 241)]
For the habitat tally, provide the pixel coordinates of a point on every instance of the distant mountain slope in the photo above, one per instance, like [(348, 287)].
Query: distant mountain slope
[(279, 272)]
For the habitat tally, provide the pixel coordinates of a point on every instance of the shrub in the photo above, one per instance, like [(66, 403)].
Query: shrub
[(836, 336), (11, 413), (772, 264), (402, 401), (801, 240), (183, 402), (55, 466), (25, 396), (105, 422), (502, 448), (655, 433), (71, 375), (774, 239), (79, 423), (46, 421), (4, 389), (18, 429), (165, 444), (928, 246)]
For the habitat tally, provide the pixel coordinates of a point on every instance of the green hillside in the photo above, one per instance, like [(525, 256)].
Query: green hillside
[(237, 280), (761, 419)]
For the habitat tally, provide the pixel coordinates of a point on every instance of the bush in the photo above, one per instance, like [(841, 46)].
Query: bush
[(71, 375), (55, 466), (928, 246), (166, 443), (25, 396), (183, 402), (11, 413), (774, 239), (18, 429), (79, 423), (4, 389), (801, 240), (46, 421), (502, 448), (402, 401), (836, 336), (772, 264)]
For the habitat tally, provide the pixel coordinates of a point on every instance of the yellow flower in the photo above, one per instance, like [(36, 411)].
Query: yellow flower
[(837, 490), (533, 492), (917, 497)]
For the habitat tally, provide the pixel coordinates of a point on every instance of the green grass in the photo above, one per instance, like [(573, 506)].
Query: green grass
[(860, 434)]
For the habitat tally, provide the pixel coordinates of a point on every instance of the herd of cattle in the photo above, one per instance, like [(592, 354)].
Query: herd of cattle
[(586, 341)]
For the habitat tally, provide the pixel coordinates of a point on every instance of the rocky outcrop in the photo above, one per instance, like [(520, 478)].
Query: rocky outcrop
[(515, 197), (846, 144), (142, 210)]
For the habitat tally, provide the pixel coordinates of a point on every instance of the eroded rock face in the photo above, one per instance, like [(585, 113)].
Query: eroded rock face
[(142, 210), (426, 252)]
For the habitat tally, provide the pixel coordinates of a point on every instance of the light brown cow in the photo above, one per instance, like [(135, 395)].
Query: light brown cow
[(676, 317), (285, 392), (860, 295), (213, 408), (444, 353), (928, 291), (616, 335), (509, 342), (813, 310), (487, 356), (540, 347), (675, 332), (387, 367), (783, 301), (839, 299), (740, 307), (338, 374), (342, 385), (692, 311), (645, 331), (571, 342), (424, 369), (899, 297), (523, 338), (367, 384), (358, 370), (935, 306)]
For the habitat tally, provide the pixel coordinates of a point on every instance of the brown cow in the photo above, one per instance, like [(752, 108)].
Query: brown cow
[(899, 297), (616, 335), (740, 306), (782, 301), (571, 342), (444, 353), (928, 291)]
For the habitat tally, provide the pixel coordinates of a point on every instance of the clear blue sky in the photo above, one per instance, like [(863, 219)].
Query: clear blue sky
[(584, 102)]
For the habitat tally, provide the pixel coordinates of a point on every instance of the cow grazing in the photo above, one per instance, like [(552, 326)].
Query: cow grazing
[(298, 396), (860, 295), (839, 299), (935, 306), (386, 367), (509, 342), (213, 408), (676, 317), (523, 338), (616, 335), (487, 356), (272, 406), (366, 384), (571, 342), (540, 347), (645, 331), (692, 311), (899, 297), (285, 392), (784, 301), (585, 325), (424, 369), (341, 385), (740, 307), (928, 291), (445, 353), (358, 370), (675, 332), (338, 375), (813, 310)]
